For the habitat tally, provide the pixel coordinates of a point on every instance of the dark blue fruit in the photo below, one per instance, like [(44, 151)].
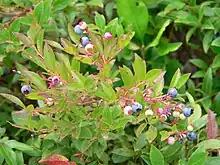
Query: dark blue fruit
[(172, 92), (191, 136), (26, 89), (187, 111)]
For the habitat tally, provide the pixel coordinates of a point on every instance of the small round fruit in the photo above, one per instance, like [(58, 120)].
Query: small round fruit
[(26, 89), (187, 111), (108, 35), (182, 116), (89, 48), (78, 30), (55, 80), (163, 118), (176, 114), (191, 136), (83, 25), (190, 128), (172, 92), (149, 112), (136, 107), (84, 41), (128, 110), (171, 140)]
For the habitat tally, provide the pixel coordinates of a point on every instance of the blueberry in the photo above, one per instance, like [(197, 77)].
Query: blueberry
[(136, 107), (187, 111), (78, 30), (84, 41), (26, 89), (172, 92), (191, 136)]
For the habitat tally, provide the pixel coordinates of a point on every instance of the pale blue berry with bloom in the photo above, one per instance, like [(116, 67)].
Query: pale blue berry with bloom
[(136, 107), (26, 89), (172, 92), (78, 30)]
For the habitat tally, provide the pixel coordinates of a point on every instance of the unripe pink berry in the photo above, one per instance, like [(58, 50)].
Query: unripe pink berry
[(83, 25), (171, 140), (108, 35)]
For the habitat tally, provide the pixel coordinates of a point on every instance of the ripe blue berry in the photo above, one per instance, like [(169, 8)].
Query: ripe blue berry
[(172, 92), (26, 89), (191, 136), (136, 107), (78, 30), (187, 111), (84, 41)]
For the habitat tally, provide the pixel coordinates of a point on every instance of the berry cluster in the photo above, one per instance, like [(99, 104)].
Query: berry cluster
[(170, 113), (82, 29)]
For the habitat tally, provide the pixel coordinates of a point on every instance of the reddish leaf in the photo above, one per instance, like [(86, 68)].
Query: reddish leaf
[(212, 126), (55, 159)]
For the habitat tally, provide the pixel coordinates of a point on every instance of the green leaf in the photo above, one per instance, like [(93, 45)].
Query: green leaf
[(155, 42), (210, 144), (49, 57), (19, 158), (124, 152), (212, 160), (96, 40), (190, 98), (153, 74), (201, 122), (164, 135), (98, 3), (69, 47), (34, 31), (36, 80), (198, 74), (190, 33), (216, 42), (109, 91), (216, 62), (26, 41), (130, 12), (40, 41), (182, 80), (127, 76), (74, 37), (140, 129), (13, 99), (8, 154), (206, 42), (54, 44), (139, 68), (174, 5), (100, 21), (175, 79), (207, 82), (151, 134), (23, 147), (165, 48), (61, 4), (199, 63), (198, 158), (156, 156), (197, 113)]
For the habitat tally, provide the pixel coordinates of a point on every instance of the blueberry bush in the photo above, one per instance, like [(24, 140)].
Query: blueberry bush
[(109, 82)]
